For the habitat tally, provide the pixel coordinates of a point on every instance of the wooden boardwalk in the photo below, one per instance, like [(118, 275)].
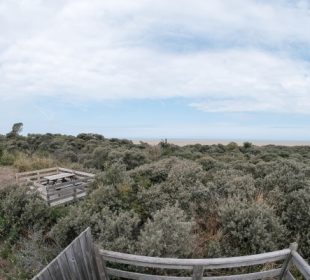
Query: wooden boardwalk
[(57, 185), (83, 260)]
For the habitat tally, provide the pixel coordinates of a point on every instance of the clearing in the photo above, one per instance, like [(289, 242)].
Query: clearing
[(7, 176)]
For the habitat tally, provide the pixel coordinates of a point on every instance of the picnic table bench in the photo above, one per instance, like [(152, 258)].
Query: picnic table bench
[(59, 176)]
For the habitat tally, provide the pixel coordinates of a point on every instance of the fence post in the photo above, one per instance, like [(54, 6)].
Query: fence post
[(197, 272), (287, 263), (100, 264)]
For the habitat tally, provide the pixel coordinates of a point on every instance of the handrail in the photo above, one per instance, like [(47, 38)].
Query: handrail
[(301, 265), (84, 260), (215, 263)]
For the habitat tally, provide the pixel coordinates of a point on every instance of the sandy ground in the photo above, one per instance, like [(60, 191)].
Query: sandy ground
[(7, 176)]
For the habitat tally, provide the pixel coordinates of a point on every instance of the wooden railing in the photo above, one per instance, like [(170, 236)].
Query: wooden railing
[(35, 175), (83, 260), (60, 193), (200, 266)]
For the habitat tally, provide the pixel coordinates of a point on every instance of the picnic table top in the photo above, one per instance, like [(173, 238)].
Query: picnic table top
[(59, 176)]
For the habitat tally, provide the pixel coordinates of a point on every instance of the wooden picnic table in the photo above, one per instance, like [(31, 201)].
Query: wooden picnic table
[(59, 176)]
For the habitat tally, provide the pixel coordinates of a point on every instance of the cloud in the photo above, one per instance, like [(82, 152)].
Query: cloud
[(221, 55)]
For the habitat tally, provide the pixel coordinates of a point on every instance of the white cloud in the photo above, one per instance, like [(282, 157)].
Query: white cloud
[(158, 49)]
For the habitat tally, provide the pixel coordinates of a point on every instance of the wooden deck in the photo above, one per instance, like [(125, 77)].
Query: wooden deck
[(57, 185), (83, 260)]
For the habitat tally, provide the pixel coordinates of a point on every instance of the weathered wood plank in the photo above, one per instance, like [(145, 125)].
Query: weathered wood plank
[(100, 264), (77, 172), (64, 267), (301, 265), (73, 262), (66, 200), (215, 263), (54, 270), (140, 276), (80, 257), (250, 276), (287, 263), (197, 272), (289, 276), (89, 244), (58, 176), (20, 174), (87, 254)]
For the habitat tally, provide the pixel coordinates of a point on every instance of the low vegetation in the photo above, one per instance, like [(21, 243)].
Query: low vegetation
[(163, 200)]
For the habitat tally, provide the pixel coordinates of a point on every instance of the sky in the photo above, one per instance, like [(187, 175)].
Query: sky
[(199, 69)]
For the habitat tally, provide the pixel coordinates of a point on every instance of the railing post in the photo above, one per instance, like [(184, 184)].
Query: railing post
[(197, 272), (287, 263), (100, 264)]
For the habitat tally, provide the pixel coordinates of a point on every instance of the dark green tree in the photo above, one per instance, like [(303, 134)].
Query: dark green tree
[(16, 130)]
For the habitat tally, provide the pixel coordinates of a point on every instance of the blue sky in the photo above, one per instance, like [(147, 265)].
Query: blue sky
[(157, 69)]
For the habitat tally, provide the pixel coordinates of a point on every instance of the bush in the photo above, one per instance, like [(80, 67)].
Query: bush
[(296, 216), (19, 210), (167, 234), (25, 163), (249, 228), (34, 253), (7, 158)]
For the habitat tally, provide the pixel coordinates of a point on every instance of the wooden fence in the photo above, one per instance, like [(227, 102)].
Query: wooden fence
[(82, 260), (79, 261), (35, 175), (59, 193)]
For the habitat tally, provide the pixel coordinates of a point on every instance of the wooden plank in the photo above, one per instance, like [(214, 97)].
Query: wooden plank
[(77, 172), (65, 190), (66, 200), (80, 259), (64, 266), (287, 263), (66, 184), (89, 244), (301, 265), (88, 258), (197, 272), (100, 264), (62, 197), (58, 176), (19, 174), (44, 276), (250, 276), (72, 262), (54, 270), (33, 177), (215, 263), (140, 276), (289, 276)]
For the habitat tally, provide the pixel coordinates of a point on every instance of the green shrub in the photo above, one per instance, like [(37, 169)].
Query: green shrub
[(7, 158), (19, 210), (34, 253), (25, 163), (167, 234), (249, 228)]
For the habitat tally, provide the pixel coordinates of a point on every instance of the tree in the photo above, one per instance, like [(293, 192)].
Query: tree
[(16, 130)]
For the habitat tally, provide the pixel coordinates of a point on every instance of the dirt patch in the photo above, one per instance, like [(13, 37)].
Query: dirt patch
[(7, 176)]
